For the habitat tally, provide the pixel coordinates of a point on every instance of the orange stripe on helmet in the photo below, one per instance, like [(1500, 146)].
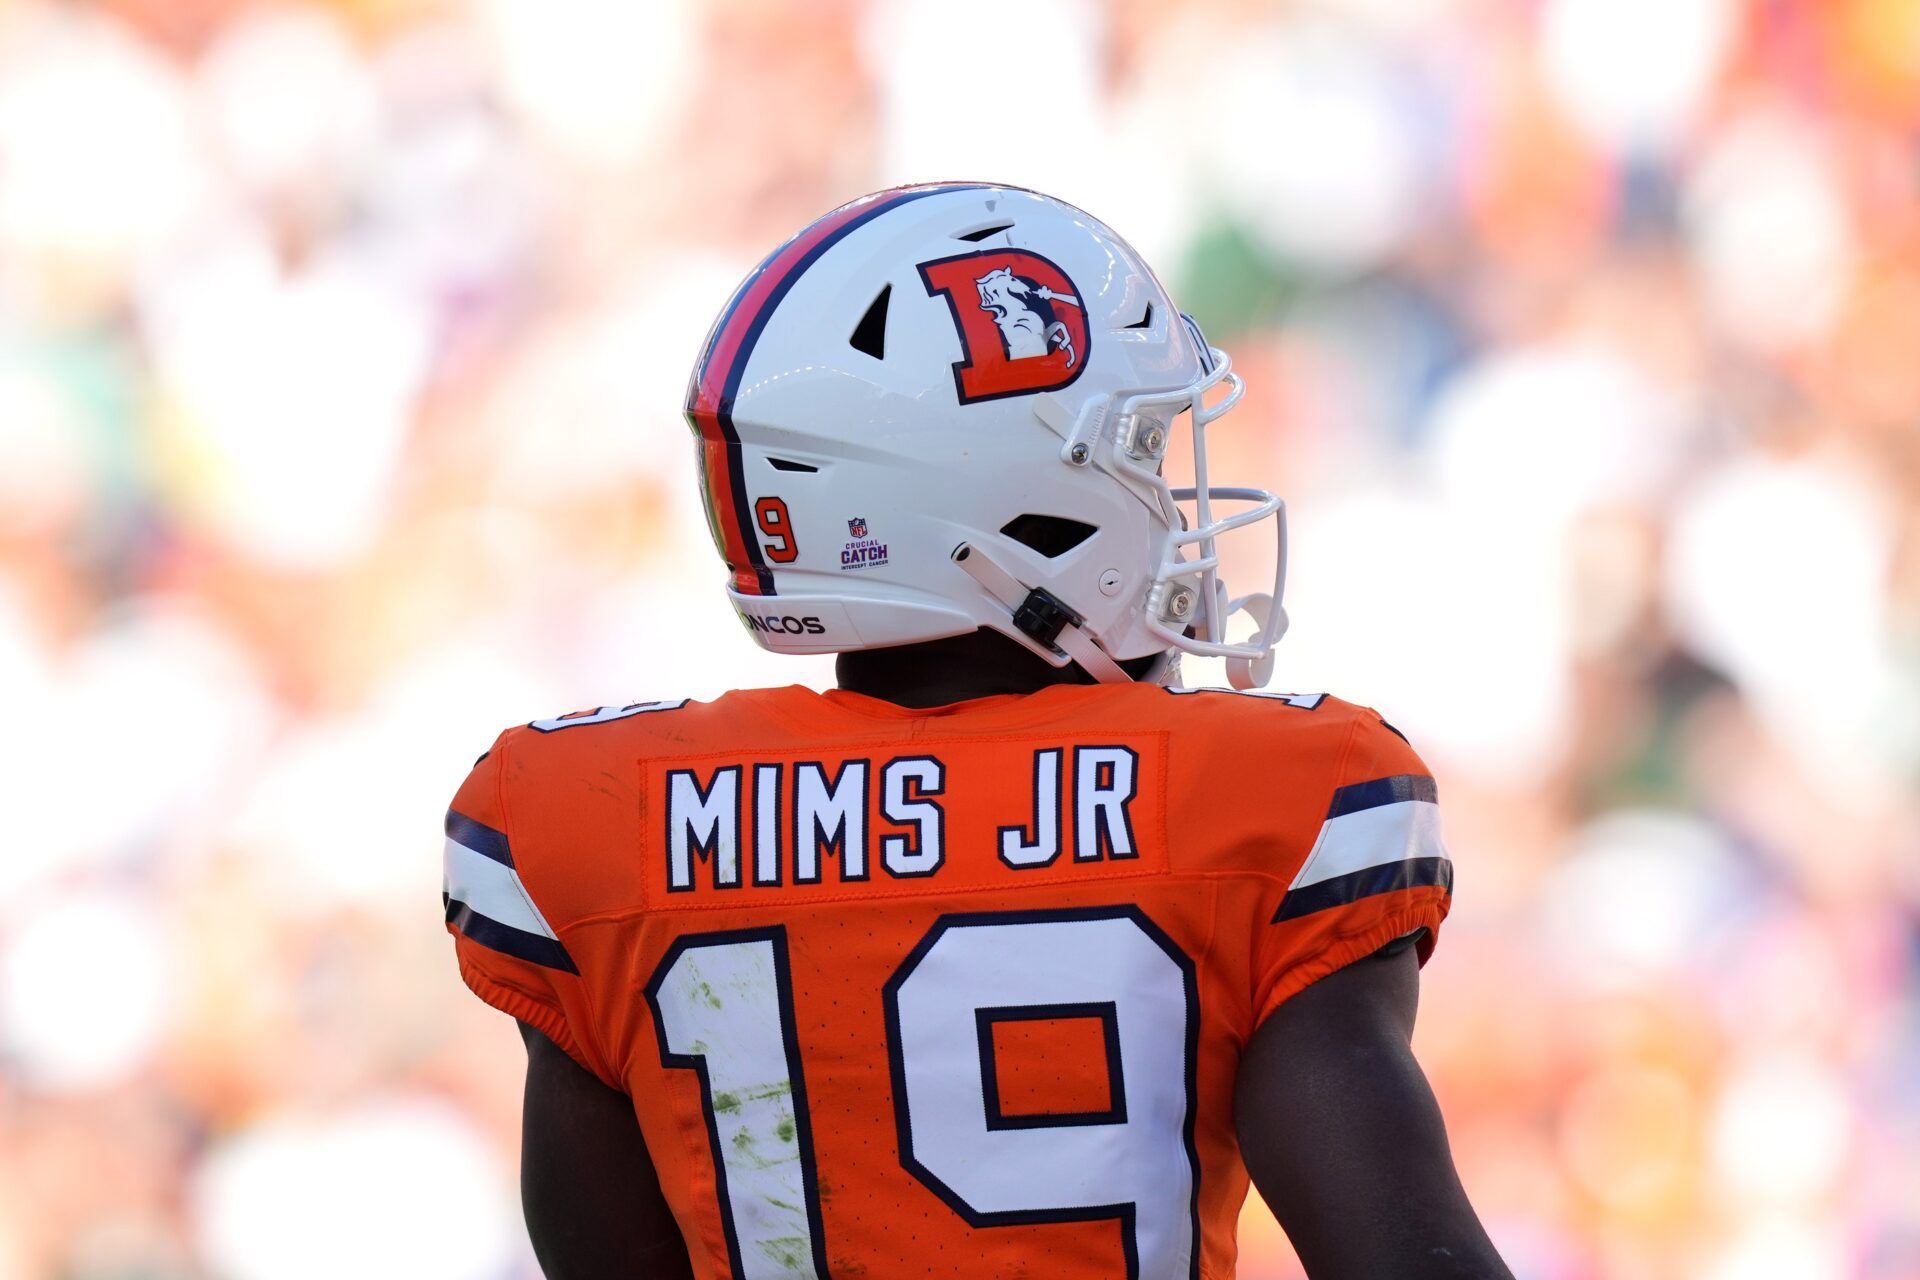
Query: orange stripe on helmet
[(723, 361)]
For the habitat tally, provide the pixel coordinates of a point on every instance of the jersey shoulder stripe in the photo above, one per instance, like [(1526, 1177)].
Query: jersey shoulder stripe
[(478, 837), (486, 900), (1378, 792), (1368, 882), (1379, 835)]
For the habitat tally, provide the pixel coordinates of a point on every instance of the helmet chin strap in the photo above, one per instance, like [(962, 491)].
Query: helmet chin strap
[(1040, 617)]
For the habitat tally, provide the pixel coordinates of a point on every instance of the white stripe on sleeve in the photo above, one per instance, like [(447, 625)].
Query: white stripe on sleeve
[(493, 889), (1373, 837)]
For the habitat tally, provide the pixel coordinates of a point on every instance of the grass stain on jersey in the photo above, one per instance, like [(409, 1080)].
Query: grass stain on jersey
[(731, 1100), (702, 988), (745, 1148), (788, 1252), (784, 1130)]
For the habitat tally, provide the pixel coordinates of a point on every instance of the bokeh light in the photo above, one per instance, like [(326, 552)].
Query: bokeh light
[(391, 1188)]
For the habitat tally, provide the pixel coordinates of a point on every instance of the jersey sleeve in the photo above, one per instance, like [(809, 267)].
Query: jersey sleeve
[(510, 955), (1377, 870)]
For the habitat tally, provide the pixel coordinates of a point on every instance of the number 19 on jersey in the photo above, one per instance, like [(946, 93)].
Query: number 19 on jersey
[(723, 1007)]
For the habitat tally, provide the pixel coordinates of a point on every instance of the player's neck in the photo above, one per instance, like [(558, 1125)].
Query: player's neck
[(956, 669)]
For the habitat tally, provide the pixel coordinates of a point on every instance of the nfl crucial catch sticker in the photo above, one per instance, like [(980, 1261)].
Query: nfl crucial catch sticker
[(863, 551)]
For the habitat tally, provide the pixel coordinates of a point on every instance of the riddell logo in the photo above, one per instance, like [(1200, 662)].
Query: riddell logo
[(784, 624), (1023, 327)]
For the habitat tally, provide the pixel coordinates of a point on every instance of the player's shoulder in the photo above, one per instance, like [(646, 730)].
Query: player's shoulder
[(575, 736), (1296, 724), (649, 726), (528, 827), (569, 763), (1305, 788)]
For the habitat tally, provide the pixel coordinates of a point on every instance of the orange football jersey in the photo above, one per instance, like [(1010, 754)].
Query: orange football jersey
[(954, 992)]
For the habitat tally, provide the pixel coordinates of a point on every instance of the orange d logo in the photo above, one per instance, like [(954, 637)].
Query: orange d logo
[(1022, 325)]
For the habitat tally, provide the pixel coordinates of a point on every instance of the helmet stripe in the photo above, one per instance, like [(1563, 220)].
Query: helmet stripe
[(723, 362)]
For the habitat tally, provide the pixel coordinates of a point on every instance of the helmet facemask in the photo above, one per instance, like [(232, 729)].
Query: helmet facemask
[(1187, 604)]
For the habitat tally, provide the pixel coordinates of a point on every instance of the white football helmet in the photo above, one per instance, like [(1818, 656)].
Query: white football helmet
[(945, 407)]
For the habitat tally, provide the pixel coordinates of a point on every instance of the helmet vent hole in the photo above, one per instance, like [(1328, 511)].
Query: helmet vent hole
[(981, 233), (788, 464), (1051, 536), (870, 335), (1146, 318)]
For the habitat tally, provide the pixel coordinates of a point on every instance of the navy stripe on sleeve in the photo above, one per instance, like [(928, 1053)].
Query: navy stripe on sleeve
[(508, 940), (1378, 791), (1412, 873), (479, 837)]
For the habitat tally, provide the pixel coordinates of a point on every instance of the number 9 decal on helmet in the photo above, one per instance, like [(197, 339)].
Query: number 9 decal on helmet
[(771, 515)]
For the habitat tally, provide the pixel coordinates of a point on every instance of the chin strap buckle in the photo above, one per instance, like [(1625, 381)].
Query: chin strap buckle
[(1049, 625), (1042, 616)]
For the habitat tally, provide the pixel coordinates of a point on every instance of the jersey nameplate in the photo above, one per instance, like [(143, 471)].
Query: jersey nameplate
[(920, 817)]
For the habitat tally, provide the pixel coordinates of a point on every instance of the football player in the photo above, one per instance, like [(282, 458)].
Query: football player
[(1009, 956)]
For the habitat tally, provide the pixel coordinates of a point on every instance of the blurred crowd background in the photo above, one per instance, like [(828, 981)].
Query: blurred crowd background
[(341, 350)]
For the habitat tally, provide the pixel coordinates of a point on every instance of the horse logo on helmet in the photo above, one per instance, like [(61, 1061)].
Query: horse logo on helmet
[(1027, 333), (1024, 310)]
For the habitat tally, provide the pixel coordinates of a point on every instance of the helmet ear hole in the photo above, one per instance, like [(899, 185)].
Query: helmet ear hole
[(870, 335), (1051, 536)]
